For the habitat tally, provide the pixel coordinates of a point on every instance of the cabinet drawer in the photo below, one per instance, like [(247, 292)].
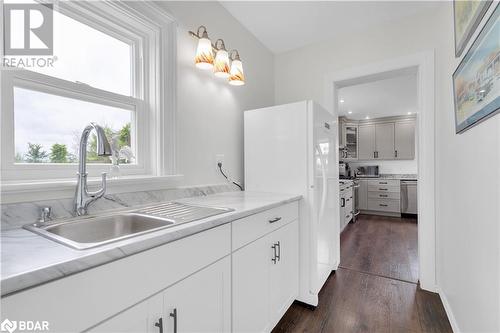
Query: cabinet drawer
[(383, 188), (384, 182), (383, 195), (384, 205), (250, 228)]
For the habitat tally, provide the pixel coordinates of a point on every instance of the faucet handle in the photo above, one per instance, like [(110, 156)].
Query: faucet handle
[(45, 214)]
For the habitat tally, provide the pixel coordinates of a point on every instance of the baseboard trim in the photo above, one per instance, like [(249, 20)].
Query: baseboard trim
[(448, 310)]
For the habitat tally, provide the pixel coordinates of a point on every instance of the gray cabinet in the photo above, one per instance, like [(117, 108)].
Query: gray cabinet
[(366, 149), (384, 141), (404, 140), (351, 141)]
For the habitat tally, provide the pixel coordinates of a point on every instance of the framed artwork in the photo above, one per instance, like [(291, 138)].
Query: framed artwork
[(476, 82), (467, 15)]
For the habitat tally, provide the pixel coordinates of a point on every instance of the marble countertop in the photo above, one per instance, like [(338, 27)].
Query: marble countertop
[(28, 259)]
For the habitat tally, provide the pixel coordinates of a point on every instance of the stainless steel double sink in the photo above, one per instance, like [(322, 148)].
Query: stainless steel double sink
[(88, 232)]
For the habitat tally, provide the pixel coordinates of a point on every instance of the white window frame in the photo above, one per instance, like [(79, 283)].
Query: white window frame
[(137, 23)]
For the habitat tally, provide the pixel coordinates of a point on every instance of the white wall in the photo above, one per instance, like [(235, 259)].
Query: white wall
[(210, 112), (467, 165)]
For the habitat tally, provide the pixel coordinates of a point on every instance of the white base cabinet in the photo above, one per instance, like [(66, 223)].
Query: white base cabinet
[(199, 303), (265, 280), (139, 318), (241, 277)]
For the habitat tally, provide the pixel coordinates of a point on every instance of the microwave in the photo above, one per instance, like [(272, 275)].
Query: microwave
[(367, 171)]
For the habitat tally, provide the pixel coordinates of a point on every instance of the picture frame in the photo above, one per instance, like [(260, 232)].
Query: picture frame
[(466, 17), (476, 81)]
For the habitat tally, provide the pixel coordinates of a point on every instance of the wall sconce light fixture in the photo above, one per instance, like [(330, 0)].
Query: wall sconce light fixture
[(226, 64)]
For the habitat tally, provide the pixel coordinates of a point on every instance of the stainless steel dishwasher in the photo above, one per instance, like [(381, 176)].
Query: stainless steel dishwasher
[(409, 204)]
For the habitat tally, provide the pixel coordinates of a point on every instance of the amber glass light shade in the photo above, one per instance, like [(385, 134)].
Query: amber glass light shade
[(204, 58), (221, 64), (236, 77)]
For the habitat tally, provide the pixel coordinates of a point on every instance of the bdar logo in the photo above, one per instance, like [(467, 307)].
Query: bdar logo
[(9, 326)]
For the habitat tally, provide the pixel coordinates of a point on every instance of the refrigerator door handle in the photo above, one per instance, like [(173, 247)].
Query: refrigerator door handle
[(325, 184)]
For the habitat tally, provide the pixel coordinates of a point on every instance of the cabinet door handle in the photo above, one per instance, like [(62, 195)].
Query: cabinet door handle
[(395, 153), (276, 219), (173, 314), (374, 155), (275, 255), (278, 245), (343, 203), (159, 324)]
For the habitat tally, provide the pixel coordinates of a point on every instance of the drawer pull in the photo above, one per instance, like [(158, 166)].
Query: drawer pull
[(382, 205), (383, 189), (383, 195), (276, 219), (382, 183)]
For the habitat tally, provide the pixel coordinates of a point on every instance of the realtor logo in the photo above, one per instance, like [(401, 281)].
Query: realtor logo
[(8, 326), (28, 29)]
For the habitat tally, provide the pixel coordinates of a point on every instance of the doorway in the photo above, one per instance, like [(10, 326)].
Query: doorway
[(423, 65)]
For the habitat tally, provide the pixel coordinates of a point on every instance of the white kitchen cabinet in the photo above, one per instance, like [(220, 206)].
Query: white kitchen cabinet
[(265, 280), (201, 302), (404, 140), (220, 280), (81, 301), (366, 149), (346, 204), (284, 270), (251, 286), (146, 316)]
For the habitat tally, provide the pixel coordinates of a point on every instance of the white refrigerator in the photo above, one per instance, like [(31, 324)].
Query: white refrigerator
[(292, 148)]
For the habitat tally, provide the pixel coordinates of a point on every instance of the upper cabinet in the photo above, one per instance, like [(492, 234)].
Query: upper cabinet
[(366, 142), (350, 133), (384, 141), (388, 139), (404, 140)]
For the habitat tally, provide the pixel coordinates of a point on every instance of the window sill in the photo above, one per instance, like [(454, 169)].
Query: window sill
[(25, 191)]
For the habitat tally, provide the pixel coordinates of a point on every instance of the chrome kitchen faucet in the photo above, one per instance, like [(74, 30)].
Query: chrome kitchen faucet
[(83, 198)]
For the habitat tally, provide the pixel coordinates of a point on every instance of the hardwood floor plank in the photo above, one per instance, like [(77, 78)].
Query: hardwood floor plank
[(376, 291)]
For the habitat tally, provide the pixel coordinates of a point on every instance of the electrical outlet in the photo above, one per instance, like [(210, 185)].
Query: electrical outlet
[(219, 158)]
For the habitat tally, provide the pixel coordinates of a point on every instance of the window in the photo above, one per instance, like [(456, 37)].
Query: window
[(47, 127), (87, 55), (108, 57)]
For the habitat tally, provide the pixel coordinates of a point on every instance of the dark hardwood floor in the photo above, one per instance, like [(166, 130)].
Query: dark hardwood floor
[(381, 245), (374, 289)]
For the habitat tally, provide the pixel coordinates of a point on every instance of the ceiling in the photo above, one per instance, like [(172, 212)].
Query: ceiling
[(283, 25), (382, 98)]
